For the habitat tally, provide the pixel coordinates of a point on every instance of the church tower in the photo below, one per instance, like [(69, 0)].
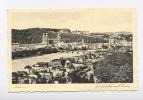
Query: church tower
[(45, 39)]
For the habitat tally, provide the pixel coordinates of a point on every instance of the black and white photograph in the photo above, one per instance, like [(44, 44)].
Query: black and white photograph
[(85, 46)]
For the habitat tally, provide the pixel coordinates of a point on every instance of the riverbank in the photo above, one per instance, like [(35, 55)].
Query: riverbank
[(19, 64)]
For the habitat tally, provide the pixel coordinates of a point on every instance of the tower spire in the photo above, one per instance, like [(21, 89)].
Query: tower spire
[(45, 39)]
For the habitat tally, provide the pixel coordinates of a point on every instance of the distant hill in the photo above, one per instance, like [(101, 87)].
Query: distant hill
[(34, 35)]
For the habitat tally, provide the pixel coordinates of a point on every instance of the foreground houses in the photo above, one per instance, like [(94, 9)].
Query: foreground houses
[(63, 70)]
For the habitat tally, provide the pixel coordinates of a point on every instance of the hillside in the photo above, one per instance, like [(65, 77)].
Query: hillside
[(34, 35)]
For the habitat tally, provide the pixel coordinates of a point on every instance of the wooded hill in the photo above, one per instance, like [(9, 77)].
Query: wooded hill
[(34, 35)]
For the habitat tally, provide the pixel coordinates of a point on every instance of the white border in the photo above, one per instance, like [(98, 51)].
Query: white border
[(27, 4)]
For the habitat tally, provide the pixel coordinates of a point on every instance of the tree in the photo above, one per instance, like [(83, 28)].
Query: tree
[(28, 67)]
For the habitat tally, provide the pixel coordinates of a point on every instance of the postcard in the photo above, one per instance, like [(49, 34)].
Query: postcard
[(72, 49)]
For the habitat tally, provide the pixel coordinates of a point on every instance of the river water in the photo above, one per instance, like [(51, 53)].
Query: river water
[(19, 64)]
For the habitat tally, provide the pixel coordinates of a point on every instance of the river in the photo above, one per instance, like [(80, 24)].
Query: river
[(19, 64)]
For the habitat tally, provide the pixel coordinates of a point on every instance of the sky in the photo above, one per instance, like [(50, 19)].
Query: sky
[(93, 20)]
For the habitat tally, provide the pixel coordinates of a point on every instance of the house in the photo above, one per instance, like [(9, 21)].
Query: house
[(69, 66), (89, 73), (32, 79), (55, 64), (77, 66), (47, 75)]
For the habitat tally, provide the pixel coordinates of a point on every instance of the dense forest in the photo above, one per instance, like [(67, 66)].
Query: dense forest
[(115, 68)]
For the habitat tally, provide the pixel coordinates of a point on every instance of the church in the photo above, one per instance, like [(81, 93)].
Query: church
[(51, 41)]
